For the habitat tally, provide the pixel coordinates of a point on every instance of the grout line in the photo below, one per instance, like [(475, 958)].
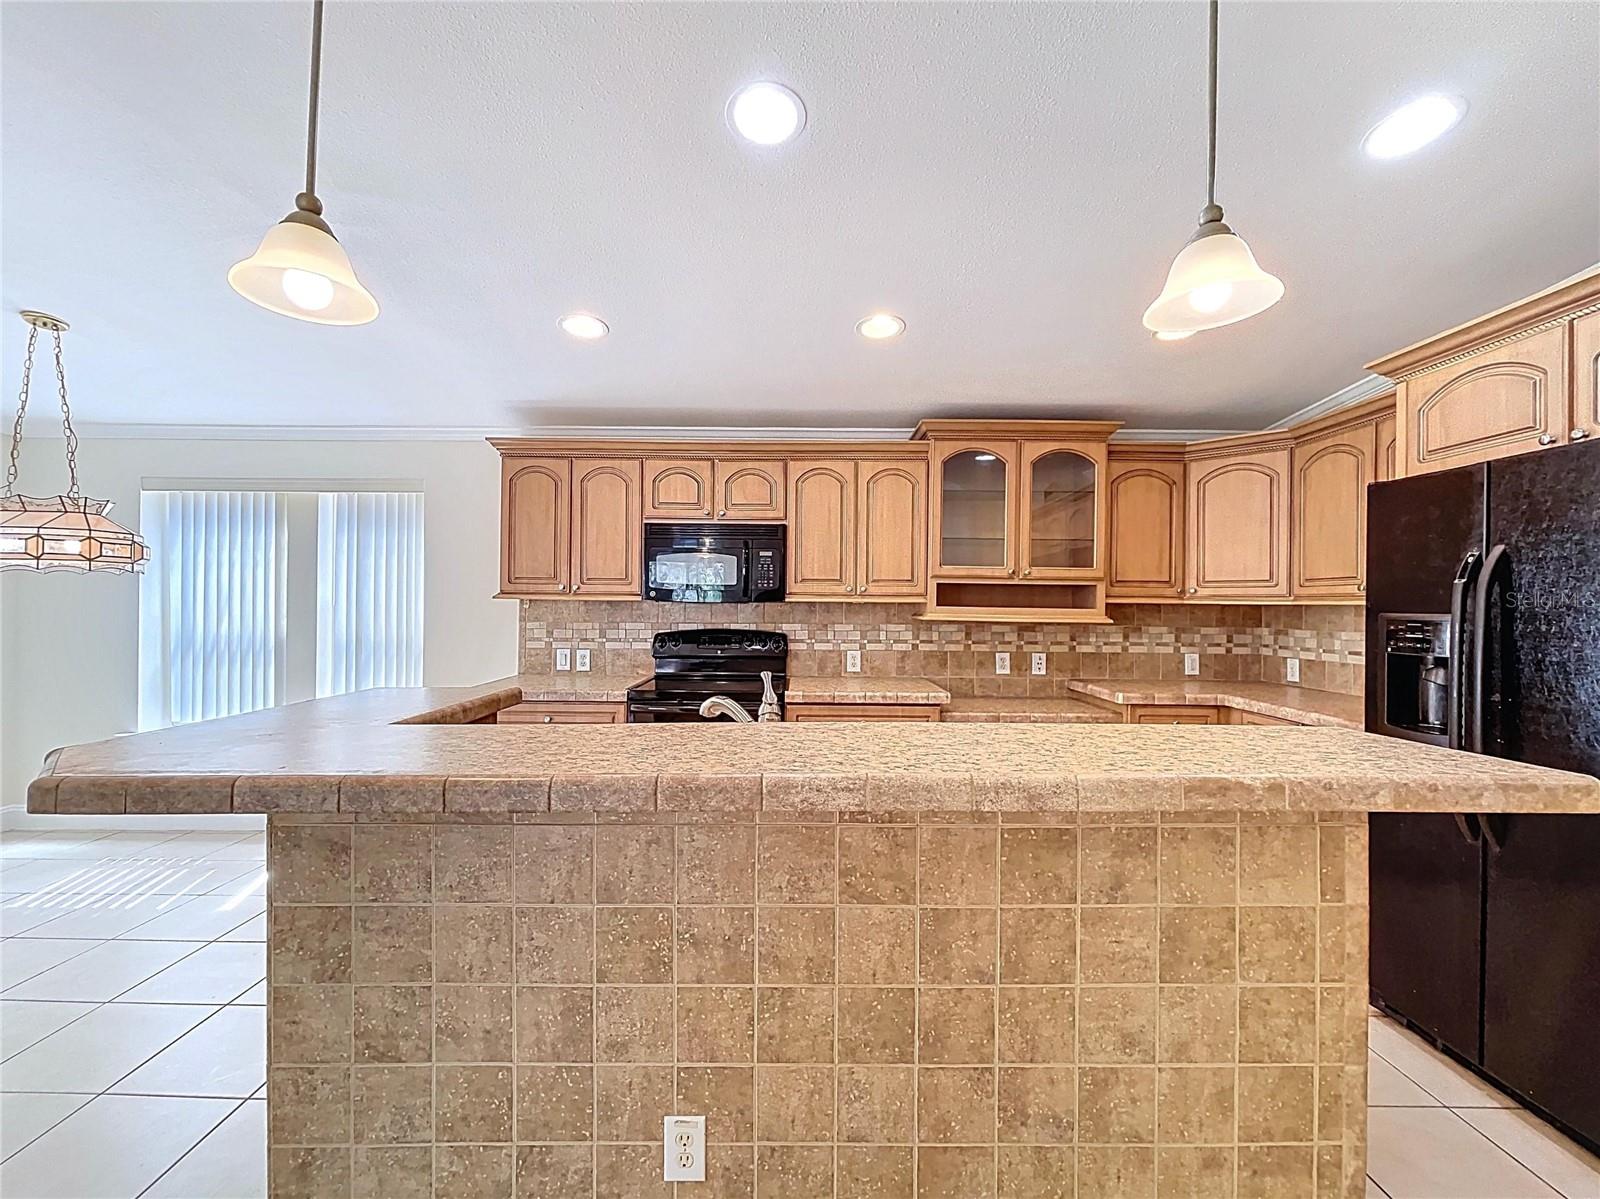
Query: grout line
[(228, 1116)]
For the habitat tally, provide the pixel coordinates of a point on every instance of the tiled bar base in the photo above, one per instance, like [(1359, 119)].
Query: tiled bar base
[(864, 1006)]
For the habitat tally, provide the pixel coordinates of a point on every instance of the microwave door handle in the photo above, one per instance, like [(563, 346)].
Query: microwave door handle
[(1493, 562), (1466, 575)]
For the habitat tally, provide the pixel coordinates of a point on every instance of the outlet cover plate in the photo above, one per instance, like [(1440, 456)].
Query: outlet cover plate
[(683, 1148), (1038, 663), (563, 659), (583, 659), (1002, 662), (1191, 663), (852, 661), (1291, 669)]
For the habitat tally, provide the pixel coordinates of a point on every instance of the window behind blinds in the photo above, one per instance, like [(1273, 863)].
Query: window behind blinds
[(369, 590)]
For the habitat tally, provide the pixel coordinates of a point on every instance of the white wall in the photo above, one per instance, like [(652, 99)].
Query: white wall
[(69, 667)]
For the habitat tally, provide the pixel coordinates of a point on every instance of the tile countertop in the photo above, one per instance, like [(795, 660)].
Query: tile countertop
[(409, 751), (984, 710), (576, 685), (860, 689), (1300, 704)]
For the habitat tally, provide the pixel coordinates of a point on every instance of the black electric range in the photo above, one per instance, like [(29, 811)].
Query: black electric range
[(692, 665)]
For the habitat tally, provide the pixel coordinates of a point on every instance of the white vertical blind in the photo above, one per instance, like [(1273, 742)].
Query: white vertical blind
[(211, 605), (369, 590)]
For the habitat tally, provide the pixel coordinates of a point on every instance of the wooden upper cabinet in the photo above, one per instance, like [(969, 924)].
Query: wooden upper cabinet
[(822, 541), (1386, 465), (1062, 514), (1500, 401), (535, 526), (607, 527), (677, 488), (1331, 473), (974, 509), (1238, 525), (1586, 376), (892, 529), (1145, 543), (751, 489)]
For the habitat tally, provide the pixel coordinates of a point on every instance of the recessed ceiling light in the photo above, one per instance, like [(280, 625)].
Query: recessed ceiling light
[(881, 325), (1174, 334), (767, 114), (1413, 125), (583, 326)]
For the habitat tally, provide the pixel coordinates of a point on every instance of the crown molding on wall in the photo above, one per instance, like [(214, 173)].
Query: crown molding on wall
[(1364, 389)]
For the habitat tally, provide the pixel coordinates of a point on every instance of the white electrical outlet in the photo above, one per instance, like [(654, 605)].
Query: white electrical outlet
[(683, 1148), (1191, 663), (1002, 663), (852, 661), (1038, 663), (563, 659), (1291, 669), (583, 659)]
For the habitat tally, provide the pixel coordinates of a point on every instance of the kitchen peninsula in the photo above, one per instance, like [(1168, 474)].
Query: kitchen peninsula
[(1027, 958)]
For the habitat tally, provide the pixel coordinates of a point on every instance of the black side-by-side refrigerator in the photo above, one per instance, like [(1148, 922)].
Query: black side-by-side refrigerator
[(1483, 633)]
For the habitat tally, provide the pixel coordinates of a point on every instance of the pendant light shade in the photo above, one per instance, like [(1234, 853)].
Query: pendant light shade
[(1215, 279), (300, 269)]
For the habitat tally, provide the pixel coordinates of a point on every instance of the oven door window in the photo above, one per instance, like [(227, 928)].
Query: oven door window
[(695, 576)]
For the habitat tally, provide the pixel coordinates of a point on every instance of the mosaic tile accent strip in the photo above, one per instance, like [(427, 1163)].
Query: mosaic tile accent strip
[(863, 1005)]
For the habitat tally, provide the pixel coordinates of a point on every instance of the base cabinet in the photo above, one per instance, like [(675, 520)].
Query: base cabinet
[(814, 712), (1172, 714), (563, 712)]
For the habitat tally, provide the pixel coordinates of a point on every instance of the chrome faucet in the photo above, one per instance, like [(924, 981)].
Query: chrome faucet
[(721, 705), (770, 711)]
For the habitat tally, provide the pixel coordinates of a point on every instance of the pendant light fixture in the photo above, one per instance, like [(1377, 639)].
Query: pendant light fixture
[(300, 269), (1214, 280), (59, 532)]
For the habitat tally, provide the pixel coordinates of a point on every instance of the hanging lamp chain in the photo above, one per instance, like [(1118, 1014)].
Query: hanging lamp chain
[(68, 433), (22, 411)]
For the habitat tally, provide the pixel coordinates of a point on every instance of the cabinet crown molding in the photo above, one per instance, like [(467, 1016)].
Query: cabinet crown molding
[(1030, 430)]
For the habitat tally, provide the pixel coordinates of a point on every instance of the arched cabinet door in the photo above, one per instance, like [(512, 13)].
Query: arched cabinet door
[(973, 510), (535, 526), (1386, 464), (1238, 526), (607, 524), (1331, 474), (892, 529), (1145, 545), (677, 488), (1063, 512), (1586, 376), (1498, 402), (751, 489), (822, 537)]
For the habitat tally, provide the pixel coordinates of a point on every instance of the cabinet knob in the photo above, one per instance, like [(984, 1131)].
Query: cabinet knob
[(548, 719), (1361, 586), (1578, 434), (561, 586), (851, 590), (1027, 572), (1547, 439), (574, 586), (723, 512), (1193, 590)]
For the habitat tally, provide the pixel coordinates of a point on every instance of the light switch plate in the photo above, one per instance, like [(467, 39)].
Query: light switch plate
[(1191, 663), (583, 659), (1291, 669), (1002, 663), (852, 661), (563, 659), (1038, 663), (683, 1148)]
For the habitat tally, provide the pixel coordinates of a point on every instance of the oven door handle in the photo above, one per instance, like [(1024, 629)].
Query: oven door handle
[(1460, 588)]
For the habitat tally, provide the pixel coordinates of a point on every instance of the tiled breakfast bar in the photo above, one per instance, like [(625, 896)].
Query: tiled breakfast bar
[(974, 961)]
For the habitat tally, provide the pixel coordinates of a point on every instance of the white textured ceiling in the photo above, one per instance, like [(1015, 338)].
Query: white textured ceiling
[(1012, 179)]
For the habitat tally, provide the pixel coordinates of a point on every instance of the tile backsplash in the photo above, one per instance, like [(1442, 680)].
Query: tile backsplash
[(1245, 643)]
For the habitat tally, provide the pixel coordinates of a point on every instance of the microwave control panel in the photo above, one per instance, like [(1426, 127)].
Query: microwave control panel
[(765, 570)]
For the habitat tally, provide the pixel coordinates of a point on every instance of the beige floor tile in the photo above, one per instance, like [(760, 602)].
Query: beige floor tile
[(254, 929), (224, 1057), (92, 1052), (215, 973), (1564, 1165), (23, 958), (1432, 1153), (58, 844), (26, 915), (231, 1163), (98, 916), (102, 971), (1452, 1085), (24, 1022), (111, 1148), (203, 919), (26, 1116), (1387, 1087)]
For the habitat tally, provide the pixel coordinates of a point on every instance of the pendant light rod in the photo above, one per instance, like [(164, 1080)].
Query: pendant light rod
[(1211, 157), (316, 96)]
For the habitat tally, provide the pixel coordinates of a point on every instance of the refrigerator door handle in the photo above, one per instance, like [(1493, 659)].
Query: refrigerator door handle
[(1493, 561), (1466, 576), (1470, 827), (1494, 831)]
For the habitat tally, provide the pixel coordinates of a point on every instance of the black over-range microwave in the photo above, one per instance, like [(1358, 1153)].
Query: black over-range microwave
[(713, 564)]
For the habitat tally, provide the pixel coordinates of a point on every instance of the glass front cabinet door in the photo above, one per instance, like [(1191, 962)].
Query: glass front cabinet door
[(974, 533), (1063, 515)]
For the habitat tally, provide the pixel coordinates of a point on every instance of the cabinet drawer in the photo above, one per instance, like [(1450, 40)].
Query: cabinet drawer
[(806, 712), (1173, 714), (563, 712), (1235, 716)]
